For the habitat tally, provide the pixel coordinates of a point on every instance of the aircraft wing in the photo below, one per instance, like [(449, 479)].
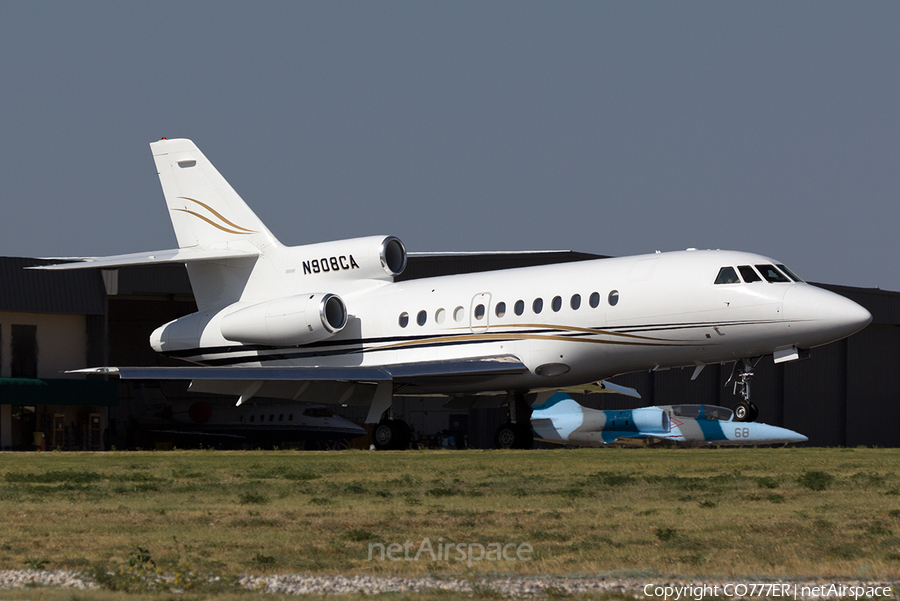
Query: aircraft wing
[(407, 373), (341, 374), (358, 385), (151, 257)]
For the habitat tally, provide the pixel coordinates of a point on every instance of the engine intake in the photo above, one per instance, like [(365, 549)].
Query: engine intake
[(393, 256), (293, 320)]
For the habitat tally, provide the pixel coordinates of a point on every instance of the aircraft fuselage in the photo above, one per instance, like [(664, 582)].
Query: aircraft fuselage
[(569, 324)]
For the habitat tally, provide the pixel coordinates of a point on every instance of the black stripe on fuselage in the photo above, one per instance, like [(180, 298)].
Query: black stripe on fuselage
[(391, 343), (359, 343)]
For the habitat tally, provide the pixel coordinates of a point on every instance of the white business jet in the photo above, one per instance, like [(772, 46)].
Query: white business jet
[(327, 322)]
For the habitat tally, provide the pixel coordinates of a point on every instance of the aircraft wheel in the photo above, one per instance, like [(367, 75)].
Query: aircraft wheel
[(391, 434), (754, 413), (742, 412), (505, 438), (514, 436)]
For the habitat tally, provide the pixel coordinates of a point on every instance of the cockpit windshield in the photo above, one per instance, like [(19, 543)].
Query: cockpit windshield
[(790, 273), (771, 274), (727, 275), (748, 274)]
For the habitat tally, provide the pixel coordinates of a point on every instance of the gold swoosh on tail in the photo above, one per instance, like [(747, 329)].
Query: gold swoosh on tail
[(243, 230), (211, 222)]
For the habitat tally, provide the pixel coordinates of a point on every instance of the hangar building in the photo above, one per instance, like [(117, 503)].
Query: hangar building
[(846, 394), (49, 323)]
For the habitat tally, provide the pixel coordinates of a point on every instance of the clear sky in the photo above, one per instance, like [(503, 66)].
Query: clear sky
[(606, 127)]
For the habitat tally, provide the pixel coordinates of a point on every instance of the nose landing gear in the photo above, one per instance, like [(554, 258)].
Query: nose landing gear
[(741, 375)]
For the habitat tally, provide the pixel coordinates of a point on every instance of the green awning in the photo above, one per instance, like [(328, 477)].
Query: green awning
[(81, 393), (21, 382)]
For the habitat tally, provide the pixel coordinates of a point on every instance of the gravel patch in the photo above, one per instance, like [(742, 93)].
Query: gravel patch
[(54, 578), (518, 587)]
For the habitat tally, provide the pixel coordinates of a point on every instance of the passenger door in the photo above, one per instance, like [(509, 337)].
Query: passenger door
[(480, 312)]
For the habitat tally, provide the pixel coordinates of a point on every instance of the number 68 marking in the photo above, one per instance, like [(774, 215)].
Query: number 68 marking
[(742, 432)]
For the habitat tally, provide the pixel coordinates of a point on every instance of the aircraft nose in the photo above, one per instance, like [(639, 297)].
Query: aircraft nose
[(788, 436), (817, 316)]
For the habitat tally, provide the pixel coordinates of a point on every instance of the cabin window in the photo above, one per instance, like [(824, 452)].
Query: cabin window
[(252, 418), (440, 315), (272, 418), (556, 304), (458, 314), (404, 319), (500, 309), (575, 303), (772, 275), (613, 298), (789, 273), (520, 307), (727, 275), (281, 417), (538, 305), (290, 417), (594, 300), (748, 274), (422, 317), (479, 312), (241, 418)]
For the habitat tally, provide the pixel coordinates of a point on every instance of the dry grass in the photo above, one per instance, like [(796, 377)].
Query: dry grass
[(735, 512)]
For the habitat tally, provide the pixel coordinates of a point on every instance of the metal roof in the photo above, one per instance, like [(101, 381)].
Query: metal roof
[(33, 291)]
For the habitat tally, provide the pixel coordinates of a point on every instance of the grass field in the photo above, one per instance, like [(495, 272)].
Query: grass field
[(654, 512)]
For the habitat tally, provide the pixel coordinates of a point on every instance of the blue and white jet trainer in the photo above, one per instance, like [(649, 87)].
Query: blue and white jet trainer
[(328, 322), (563, 420)]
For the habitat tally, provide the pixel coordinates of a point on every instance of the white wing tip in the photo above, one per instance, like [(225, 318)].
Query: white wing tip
[(95, 370)]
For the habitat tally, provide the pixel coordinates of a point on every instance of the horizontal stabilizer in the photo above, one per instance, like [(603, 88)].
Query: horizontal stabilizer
[(178, 255)]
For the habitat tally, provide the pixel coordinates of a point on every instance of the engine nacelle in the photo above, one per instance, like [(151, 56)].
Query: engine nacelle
[(293, 320), (372, 257)]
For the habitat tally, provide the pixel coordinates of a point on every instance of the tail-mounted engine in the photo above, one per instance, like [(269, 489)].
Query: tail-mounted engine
[(294, 320), (372, 257)]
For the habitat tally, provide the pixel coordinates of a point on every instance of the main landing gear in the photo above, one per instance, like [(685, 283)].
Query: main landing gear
[(391, 434), (741, 375), (516, 432)]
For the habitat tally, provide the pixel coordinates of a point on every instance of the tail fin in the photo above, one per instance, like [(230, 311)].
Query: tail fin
[(207, 214), (205, 210), (230, 255)]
